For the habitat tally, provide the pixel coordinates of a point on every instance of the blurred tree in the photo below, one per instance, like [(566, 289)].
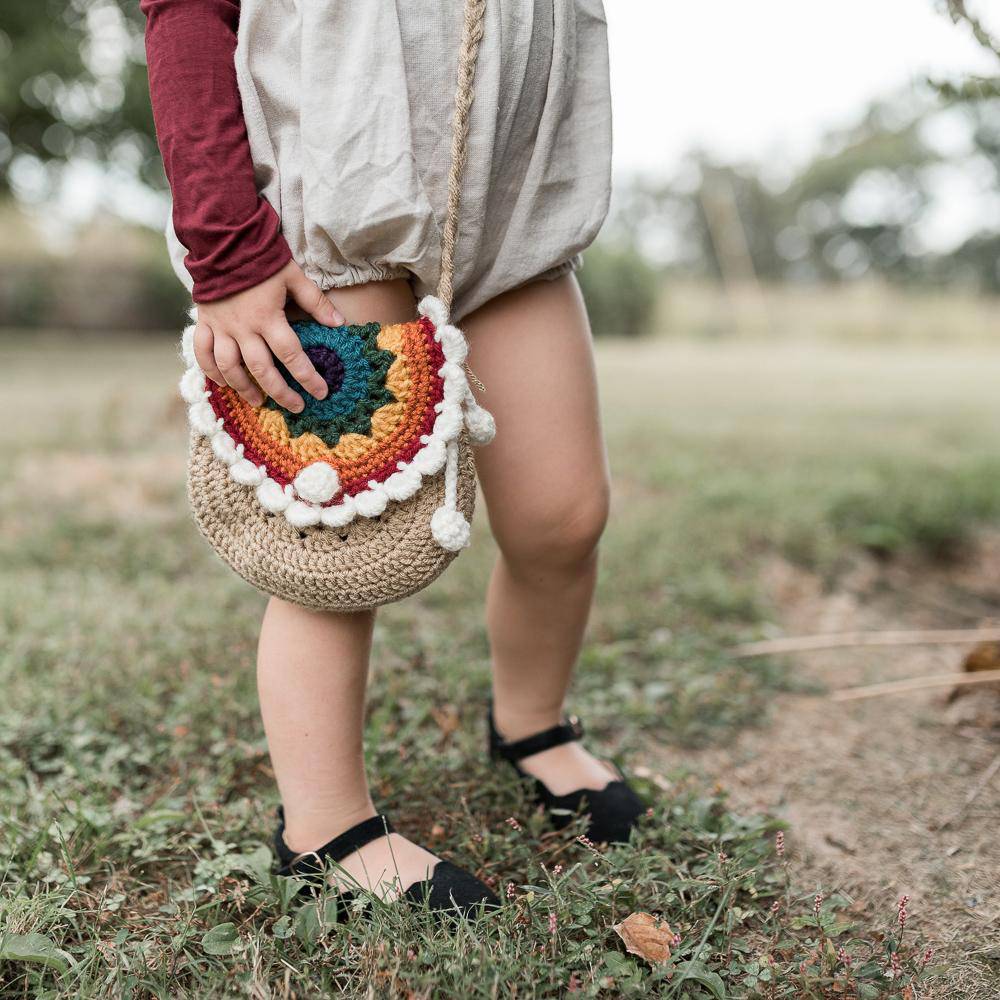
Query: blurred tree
[(621, 289), (849, 210), (976, 87), (73, 86)]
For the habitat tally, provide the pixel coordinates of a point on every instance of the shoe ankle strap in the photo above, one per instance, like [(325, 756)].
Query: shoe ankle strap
[(334, 851), (515, 750)]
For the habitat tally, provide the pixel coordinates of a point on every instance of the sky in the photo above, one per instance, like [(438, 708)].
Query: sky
[(764, 79)]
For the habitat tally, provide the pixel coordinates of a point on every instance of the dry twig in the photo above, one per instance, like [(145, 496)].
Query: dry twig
[(841, 640), (915, 684)]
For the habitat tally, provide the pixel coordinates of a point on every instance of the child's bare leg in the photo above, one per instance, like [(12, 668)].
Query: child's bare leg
[(312, 672), (545, 479)]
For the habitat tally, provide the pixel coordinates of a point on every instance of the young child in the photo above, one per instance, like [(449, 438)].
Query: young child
[(307, 149)]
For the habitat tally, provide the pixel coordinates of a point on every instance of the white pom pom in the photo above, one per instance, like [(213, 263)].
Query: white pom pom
[(433, 308), (480, 424), (272, 497), (317, 483), (449, 422), (187, 346), (339, 514), (403, 484), (450, 529), (192, 385), (453, 344), (430, 458), (455, 386), (372, 502), (203, 419), (302, 515), (246, 473), (225, 448)]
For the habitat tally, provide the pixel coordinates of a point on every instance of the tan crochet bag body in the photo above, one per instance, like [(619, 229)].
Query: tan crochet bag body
[(364, 497)]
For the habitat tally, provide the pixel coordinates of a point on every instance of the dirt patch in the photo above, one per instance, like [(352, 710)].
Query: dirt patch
[(896, 794)]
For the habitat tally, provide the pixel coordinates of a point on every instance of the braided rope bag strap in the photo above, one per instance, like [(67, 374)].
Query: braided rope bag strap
[(366, 547)]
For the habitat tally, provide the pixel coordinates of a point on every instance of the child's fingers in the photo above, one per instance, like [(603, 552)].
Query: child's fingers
[(260, 363), (203, 347), (307, 294), (229, 358), (287, 348)]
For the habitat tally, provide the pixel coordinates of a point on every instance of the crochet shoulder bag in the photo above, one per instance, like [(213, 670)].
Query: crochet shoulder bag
[(364, 497)]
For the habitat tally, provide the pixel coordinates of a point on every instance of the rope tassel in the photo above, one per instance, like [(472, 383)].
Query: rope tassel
[(448, 525)]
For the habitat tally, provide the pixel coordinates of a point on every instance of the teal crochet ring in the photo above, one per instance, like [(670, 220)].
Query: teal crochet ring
[(354, 368)]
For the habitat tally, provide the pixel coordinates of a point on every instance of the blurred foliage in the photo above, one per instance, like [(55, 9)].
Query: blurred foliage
[(73, 87), (73, 90), (109, 276), (977, 87), (861, 207), (621, 289)]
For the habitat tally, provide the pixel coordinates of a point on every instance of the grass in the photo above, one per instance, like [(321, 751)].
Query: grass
[(135, 791)]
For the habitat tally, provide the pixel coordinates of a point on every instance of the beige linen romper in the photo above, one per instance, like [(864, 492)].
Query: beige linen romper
[(348, 105)]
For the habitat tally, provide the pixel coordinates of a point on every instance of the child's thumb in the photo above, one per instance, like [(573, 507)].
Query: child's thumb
[(307, 295)]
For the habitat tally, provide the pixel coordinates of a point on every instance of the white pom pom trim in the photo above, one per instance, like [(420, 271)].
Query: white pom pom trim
[(449, 422), (480, 424), (318, 483), (339, 515), (302, 515), (272, 497), (202, 418), (246, 473), (225, 448), (433, 308), (450, 529), (453, 344), (429, 460), (193, 386), (372, 501), (187, 345)]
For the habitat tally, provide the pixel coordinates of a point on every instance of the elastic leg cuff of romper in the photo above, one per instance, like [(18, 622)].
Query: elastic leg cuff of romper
[(566, 267), (354, 274)]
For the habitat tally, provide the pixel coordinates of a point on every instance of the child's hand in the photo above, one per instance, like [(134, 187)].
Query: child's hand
[(241, 335)]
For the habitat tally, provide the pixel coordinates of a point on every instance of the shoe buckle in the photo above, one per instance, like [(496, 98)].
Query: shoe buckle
[(576, 725)]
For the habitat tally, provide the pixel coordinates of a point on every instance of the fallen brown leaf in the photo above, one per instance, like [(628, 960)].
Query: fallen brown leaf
[(984, 656), (646, 936), (446, 717)]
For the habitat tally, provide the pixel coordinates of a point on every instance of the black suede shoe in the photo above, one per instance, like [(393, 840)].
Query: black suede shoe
[(450, 890), (613, 811)]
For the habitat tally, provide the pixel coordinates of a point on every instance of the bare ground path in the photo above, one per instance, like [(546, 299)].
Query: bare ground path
[(895, 794)]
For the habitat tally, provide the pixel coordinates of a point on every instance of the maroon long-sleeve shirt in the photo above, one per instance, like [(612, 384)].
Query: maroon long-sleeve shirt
[(232, 234)]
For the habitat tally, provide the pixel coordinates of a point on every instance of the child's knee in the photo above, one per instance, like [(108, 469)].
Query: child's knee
[(562, 534)]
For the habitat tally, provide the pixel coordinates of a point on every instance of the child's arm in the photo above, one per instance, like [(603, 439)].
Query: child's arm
[(241, 267)]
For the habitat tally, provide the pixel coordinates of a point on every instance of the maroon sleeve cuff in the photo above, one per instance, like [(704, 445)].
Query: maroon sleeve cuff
[(218, 285), (270, 255)]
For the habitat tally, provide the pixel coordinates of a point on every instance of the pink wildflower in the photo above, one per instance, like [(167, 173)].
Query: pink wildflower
[(779, 844), (553, 923)]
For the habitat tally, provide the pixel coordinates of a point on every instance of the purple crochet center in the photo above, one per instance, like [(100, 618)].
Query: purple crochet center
[(329, 365)]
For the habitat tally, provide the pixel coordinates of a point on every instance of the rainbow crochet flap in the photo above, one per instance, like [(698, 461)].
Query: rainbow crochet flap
[(398, 400)]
